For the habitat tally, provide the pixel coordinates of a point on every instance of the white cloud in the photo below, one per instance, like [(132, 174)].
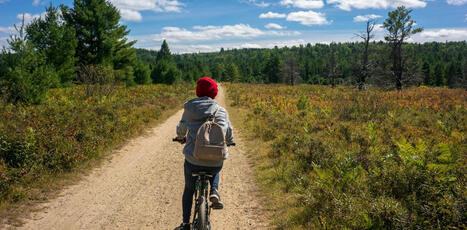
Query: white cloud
[(257, 3), (379, 28), (181, 48), (442, 35), (456, 2), (212, 33), (211, 38), (130, 8), (206, 33), (153, 5), (364, 18), (376, 4), (273, 26), (36, 2), (250, 45), (130, 15), (7, 30), (2, 1), (308, 18), (3, 41), (28, 18), (304, 4), (272, 15), (205, 27)]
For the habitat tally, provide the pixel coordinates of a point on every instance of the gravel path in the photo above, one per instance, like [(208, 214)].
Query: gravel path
[(141, 186)]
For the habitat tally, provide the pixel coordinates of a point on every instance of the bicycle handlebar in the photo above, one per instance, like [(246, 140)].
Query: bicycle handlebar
[(176, 139)]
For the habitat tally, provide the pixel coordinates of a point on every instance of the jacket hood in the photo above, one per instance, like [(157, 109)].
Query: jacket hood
[(200, 108)]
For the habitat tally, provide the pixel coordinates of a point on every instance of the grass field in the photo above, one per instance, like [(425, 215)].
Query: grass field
[(39, 143), (344, 159)]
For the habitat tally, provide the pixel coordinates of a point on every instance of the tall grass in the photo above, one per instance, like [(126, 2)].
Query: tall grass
[(345, 159), (70, 128)]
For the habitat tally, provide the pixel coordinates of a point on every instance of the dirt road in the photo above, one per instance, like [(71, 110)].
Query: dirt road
[(141, 188)]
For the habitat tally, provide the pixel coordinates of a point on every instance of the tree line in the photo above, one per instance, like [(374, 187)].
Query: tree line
[(436, 64), (83, 44), (392, 63)]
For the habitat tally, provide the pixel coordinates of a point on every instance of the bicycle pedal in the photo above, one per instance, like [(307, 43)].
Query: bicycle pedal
[(217, 207)]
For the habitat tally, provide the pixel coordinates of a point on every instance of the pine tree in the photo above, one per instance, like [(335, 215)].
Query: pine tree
[(218, 71), (141, 72), (157, 73), (166, 70), (57, 41), (428, 80), (272, 69), (439, 75), (172, 75), (231, 72), (25, 76), (400, 27), (101, 39), (454, 75), (164, 53)]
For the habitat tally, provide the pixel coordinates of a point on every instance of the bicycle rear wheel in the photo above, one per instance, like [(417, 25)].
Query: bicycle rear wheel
[(203, 214)]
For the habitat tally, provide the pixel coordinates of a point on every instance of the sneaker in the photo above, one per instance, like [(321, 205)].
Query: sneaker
[(215, 199), (183, 226)]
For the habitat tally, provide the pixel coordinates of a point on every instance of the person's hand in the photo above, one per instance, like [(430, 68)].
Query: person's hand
[(181, 140)]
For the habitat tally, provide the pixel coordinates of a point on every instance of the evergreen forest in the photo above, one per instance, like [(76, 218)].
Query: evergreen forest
[(436, 64)]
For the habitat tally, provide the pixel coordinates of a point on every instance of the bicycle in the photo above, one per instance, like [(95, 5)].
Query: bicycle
[(202, 209)]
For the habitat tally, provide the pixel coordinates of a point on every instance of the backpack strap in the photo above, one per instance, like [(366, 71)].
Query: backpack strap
[(212, 117)]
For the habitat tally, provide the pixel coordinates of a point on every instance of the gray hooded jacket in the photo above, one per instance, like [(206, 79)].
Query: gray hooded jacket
[(195, 114)]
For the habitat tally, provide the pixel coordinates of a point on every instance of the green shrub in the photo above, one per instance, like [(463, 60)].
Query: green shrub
[(348, 159), (71, 127), (142, 73)]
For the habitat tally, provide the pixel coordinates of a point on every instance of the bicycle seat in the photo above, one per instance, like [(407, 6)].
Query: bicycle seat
[(206, 174)]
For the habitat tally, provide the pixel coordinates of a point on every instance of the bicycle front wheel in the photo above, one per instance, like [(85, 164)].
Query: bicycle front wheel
[(202, 214)]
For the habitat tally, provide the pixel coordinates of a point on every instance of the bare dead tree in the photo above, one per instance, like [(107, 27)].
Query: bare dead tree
[(290, 70), (333, 65), (364, 70)]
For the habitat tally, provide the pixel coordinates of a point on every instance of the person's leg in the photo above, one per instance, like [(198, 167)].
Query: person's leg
[(187, 200), (214, 181), (214, 196)]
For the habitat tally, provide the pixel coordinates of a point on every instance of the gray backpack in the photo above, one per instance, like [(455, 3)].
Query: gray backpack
[(210, 141)]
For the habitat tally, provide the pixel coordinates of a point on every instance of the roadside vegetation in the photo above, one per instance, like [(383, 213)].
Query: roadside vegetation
[(69, 128), (340, 158)]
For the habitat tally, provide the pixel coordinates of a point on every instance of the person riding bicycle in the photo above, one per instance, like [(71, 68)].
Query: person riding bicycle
[(195, 113)]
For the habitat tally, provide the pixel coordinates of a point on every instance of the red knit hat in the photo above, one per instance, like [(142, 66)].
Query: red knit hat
[(206, 87)]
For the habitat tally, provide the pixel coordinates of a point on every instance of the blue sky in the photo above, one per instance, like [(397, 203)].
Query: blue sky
[(208, 25)]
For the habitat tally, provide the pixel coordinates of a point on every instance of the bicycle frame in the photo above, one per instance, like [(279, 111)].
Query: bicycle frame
[(201, 190)]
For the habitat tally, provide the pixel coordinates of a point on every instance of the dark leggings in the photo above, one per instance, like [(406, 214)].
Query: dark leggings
[(187, 200)]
